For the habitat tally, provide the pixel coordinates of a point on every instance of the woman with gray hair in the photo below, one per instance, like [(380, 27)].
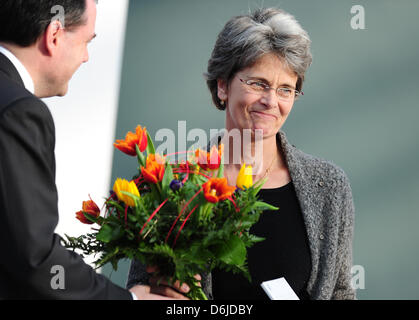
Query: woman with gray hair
[(256, 73)]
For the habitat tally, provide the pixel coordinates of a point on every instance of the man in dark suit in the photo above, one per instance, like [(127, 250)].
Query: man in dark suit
[(38, 56)]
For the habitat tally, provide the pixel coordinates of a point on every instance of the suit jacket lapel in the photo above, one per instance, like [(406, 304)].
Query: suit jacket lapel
[(8, 69)]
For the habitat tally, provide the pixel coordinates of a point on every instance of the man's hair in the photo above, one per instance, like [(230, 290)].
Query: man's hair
[(22, 22)]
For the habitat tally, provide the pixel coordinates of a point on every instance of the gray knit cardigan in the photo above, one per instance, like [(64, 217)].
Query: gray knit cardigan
[(325, 198)]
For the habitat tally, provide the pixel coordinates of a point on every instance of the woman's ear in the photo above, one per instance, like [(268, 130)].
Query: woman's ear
[(222, 91)]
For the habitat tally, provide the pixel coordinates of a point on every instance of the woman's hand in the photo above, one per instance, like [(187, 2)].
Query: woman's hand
[(176, 291)]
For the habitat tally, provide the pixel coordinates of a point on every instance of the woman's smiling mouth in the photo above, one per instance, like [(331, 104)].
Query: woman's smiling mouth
[(264, 115)]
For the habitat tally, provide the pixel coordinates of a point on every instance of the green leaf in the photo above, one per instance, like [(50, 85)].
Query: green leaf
[(90, 217), (197, 253), (150, 145), (220, 173), (232, 252), (263, 206), (167, 179), (114, 265), (131, 235), (115, 204), (107, 233), (133, 196), (248, 223), (258, 185), (256, 239), (140, 156)]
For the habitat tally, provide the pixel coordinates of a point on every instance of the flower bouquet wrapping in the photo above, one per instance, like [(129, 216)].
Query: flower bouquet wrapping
[(181, 217)]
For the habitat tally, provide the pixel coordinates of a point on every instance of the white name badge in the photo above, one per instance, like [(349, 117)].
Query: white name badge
[(279, 289)]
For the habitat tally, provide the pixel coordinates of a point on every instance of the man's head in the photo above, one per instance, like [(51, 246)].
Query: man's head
[(50, 37)]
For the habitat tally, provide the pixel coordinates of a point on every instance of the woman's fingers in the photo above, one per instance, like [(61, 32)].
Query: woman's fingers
[(161, 287), (157, 282), (167, 291), (198, 277), (151, 269)]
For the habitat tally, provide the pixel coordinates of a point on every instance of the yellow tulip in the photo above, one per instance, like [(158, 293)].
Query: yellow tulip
[(124, 185), (244, 179)]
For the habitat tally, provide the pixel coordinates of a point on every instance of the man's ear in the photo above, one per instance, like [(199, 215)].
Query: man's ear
[(53, 36), (222, 91)]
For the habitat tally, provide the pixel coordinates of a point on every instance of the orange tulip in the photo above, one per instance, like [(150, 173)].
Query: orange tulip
[(154, 169), (89, 207), (217, 189), (131, 140), (209, 160)]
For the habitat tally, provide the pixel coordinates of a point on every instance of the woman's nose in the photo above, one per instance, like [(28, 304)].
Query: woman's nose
[(270, 99)]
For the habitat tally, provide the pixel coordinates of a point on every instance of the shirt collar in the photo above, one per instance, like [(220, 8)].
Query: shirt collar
[(23, 72)]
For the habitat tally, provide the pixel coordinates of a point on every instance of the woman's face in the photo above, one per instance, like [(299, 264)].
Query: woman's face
[(246, 109)]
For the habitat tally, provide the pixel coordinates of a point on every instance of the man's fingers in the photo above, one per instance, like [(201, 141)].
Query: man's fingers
[(152, 296), (168, 292)]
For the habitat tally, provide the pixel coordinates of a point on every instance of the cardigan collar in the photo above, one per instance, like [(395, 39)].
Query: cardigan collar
[(297, 163)]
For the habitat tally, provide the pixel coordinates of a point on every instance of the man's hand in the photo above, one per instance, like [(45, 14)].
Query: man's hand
[(143, 292)]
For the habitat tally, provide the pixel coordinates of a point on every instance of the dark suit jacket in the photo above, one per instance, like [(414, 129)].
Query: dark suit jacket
[(29, 248)]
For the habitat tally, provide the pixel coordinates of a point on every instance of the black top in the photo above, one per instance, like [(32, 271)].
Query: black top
[(284, 253)]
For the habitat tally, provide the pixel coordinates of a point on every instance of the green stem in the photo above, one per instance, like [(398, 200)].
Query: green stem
[(156, 190), (159, 188), (197, 293), (207, 210), (140, 202)]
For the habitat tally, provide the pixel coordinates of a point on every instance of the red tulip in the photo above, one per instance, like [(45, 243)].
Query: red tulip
[(89, 207)]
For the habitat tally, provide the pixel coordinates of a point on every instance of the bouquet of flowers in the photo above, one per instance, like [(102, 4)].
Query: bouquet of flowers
[(181, 217)]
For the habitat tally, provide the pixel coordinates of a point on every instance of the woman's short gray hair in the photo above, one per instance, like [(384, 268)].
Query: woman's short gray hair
[(245, 39)]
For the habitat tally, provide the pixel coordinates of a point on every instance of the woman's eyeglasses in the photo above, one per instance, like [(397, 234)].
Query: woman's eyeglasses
[(283, 93)]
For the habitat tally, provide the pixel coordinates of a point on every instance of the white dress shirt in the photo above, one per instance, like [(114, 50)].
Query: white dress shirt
[(23, 72)]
